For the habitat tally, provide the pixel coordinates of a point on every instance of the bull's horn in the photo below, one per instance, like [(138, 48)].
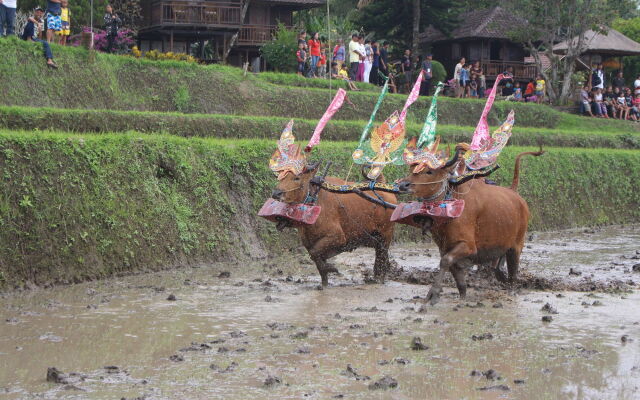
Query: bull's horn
[(311, 167), (453, 160)]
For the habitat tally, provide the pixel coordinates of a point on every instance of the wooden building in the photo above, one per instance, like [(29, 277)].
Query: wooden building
[(481, 36), (233, 30)]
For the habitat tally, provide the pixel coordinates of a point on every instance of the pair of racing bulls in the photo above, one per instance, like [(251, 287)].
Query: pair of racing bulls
[(491, 229)]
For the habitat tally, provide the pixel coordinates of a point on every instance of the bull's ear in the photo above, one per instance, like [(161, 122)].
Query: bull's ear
[(413, 142)]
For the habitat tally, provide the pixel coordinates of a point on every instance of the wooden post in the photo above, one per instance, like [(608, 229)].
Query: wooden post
[(171, 41)]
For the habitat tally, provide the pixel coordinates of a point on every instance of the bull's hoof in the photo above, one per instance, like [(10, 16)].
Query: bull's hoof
[(500, 276), (433, 296)]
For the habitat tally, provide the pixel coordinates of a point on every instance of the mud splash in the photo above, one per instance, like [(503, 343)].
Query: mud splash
[(265, 331)]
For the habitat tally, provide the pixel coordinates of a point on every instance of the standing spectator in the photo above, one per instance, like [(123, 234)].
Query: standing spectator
[(302, 38), (464, 80), (111, 26), (375, 63), (540, 88), (66, 22), (507, 82), (314, 52), (636, 83), (618, 81), (456, 77), (601, 76), (32, 32), (368, 60), (7, 17), (354, 56), (427, 67), (360, 75), (597, 77), (479, 73), (406, 66), (339, 54), (384, 58), (54, 23), (301, 56)]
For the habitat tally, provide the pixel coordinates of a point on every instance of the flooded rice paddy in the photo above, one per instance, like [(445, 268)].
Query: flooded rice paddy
[(263, 330)]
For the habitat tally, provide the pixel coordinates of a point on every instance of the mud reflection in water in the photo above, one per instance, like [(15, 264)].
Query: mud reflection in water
[(242, 334)]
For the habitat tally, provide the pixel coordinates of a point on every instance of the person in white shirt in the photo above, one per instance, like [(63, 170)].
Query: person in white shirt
[(354, 56), (456, 77), (7, 17), (368, 60), (636, 84)]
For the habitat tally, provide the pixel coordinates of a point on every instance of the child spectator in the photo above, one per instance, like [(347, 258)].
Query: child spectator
[(530, 90), (507, 82), (622, 106), (584, 98), (301, 56), (32, 32), (517, 92), (540, 88), (601, 108), (343, 74), (65, 20), (473, 86)]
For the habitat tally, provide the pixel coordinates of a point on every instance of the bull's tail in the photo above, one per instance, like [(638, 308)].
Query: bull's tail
[(516, 169)]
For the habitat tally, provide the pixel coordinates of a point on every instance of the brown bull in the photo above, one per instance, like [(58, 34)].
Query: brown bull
[(346, 222), (492, 226)]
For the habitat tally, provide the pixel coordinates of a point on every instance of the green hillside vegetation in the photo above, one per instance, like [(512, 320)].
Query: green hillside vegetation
[(77, 207), (101, 81), (229, 126)]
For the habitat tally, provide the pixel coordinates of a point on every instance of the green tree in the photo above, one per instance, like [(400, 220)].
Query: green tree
[(625, 8), (544, 23), (631, 29), (280, 52), (387, 19)]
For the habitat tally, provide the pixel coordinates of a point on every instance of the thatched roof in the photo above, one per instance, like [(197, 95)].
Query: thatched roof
[(491, 23), (609, 42)]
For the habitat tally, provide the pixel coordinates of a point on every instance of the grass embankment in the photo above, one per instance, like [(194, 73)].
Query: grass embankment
[(101, 81), (77, 207), (245, 127)]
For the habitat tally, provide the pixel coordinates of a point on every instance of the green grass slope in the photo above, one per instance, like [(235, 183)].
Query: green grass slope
[(75, 207), (100, 81)]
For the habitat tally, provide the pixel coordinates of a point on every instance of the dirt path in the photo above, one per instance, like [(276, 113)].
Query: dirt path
[(265, 331)]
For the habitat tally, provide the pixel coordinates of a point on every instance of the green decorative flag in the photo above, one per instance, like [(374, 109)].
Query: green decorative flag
[(428, 133), (367, 128)]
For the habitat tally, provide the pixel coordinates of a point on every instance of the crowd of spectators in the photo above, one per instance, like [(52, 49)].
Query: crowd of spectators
[(616, 100), (51, 25)]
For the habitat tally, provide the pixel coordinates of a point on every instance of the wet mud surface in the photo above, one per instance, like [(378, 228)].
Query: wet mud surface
[(263, 330)]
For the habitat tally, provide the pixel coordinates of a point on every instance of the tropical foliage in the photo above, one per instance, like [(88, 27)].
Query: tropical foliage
[(280, 51)]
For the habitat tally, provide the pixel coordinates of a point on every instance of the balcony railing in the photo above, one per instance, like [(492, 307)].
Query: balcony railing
[(256, 34), (521, 70), (199, 13)]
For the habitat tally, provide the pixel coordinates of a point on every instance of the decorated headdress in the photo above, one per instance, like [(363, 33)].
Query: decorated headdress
[(387, 140), (486, 148), (422, 151), (288, 157)]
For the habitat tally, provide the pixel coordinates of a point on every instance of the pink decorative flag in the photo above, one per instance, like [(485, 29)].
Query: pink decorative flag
[(335, 105), (481, 133), (413, 96)]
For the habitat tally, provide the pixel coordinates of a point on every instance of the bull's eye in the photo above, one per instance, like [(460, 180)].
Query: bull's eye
[(297, 178), (429, 172)]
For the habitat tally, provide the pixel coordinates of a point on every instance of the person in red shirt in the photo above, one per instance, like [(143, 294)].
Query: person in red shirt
[(314, 52), (530, 90)]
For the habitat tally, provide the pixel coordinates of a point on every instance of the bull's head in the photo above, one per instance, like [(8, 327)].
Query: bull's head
[(294, 187), (430, 169)]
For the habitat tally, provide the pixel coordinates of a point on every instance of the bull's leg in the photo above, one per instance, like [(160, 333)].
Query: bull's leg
[(459, 275), (513, 264), (447, 262), (497, 269), (381, 265), (324, 249)]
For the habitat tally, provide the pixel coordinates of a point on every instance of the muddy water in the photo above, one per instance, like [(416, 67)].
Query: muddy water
[(267, 332)]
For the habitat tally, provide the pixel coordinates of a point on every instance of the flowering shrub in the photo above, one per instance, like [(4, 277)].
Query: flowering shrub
[(157, 55), (123, 41)]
